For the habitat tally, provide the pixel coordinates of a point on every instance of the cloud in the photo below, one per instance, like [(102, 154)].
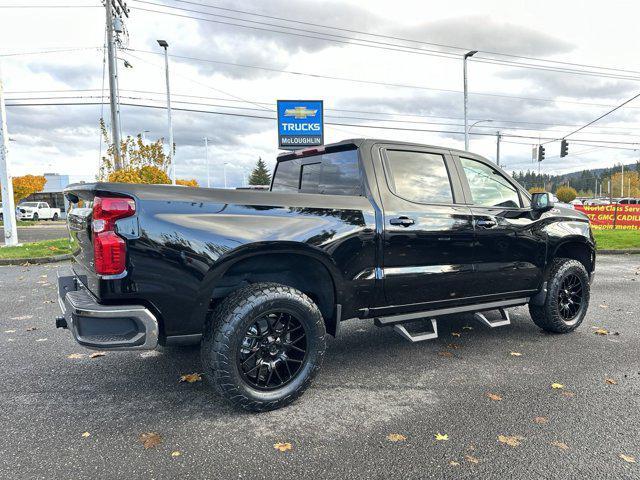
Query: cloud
[(77, 76), (479, 32)]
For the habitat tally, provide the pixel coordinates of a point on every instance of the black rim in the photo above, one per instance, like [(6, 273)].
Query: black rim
[(273, 350), (570, 297)]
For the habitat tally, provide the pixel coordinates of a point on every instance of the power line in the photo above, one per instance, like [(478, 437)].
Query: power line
[(400, 38), (381, 127), (369, 82), (370, 43), (40, 52)]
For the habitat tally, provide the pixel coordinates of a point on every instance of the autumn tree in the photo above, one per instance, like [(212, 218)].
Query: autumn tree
[(537, 190), (26, 185), (188, 183), (260, 174), (566, 194), (143, 162), (631, 182)]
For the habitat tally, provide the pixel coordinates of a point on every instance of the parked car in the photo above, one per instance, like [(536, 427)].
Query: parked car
[(629, 201), (598, 201), (395, 233), (37, 211)]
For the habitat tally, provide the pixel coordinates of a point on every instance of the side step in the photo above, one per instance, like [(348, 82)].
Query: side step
[(504, 319), (414, 337)]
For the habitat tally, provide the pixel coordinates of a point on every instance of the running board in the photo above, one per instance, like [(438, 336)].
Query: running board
[(478, 307), (504, 319)]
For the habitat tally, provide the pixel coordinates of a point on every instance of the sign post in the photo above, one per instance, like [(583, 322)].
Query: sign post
[(300, 124)]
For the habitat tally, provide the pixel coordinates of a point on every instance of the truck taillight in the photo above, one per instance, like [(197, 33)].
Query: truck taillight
[(110, 250)]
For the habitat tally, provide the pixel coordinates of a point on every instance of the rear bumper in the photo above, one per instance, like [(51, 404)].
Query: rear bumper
[(104, 327)]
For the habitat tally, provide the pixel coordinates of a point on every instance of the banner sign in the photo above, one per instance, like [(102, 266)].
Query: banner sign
[(300, 124), (608, 217)]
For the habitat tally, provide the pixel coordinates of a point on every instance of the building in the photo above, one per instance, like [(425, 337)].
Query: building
[(52, 192)]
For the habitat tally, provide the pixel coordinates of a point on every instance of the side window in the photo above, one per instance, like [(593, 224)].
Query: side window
[(418, 176), (488, 187)]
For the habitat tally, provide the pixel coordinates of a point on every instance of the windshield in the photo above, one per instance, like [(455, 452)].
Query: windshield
[(29, 204)]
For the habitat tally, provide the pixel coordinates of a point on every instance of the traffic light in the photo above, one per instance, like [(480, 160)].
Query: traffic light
[(564, 148), (540, 153)]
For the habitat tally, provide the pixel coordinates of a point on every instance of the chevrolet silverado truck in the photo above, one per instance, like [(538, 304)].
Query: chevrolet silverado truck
[(37, 211), (398, 233)]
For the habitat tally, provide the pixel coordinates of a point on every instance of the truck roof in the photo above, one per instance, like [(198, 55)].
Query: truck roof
[(356, 142)]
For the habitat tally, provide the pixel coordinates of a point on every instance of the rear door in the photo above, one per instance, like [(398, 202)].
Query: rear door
[(510, 247), (428, 238)]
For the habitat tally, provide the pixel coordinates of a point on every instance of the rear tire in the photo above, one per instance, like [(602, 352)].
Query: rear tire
[(567, 297), (35, 217), (263, 345), (55, 217)]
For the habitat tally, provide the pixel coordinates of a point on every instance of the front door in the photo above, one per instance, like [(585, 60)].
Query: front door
[(510, 247), (428, 238)]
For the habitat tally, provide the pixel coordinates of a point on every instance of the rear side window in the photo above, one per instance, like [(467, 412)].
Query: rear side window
[(336, 173), (489, 188), (418, 176)]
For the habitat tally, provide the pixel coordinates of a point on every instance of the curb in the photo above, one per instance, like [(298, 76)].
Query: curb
[(618, 252), (35, 261)]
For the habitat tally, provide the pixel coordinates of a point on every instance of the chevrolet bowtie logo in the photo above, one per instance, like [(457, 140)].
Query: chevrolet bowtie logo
[(299, 112)]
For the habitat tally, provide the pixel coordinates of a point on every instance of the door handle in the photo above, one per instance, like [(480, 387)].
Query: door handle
[(486, 223), (403, 221)]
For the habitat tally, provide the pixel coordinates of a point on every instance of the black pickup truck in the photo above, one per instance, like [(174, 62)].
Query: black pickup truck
[(399, 233)]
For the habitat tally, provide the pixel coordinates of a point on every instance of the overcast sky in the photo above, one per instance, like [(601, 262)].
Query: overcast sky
[(65, 139)]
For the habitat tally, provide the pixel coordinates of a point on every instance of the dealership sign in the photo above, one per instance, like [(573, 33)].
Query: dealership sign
[(300, 124), (607, 217)]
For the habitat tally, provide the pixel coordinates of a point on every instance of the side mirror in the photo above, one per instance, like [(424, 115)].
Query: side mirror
[(541, 202)]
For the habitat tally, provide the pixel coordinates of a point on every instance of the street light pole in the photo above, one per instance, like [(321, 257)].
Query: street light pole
[(224, 173), (622, 181), (206, 160), (165, 45), (8, 208), (464, 75), (498, 136)]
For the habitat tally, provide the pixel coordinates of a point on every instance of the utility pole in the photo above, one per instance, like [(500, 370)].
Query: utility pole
[(622, 181), (165, 45), (464, 78), (113, 85), (595, 191), (206, 160), (498, 136), (224, 172), (8, 207)]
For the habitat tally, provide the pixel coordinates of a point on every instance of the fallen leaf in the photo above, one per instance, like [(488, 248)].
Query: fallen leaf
[(610, 381), (31, 329), (43, 276), (453, 463), (603, 306), (471, 459), (467, 327), (627, 458), (515, 354), (445, 354), (494, 397), (541, 420), (557, 386), (86, 434), (282, 447), (176, 453), (150, 439), (9, 331), (97, 354), (396, 437), (23, 317), (512, 441), (41, 340), (190, 378), (441, 437), (455, 334), (568, 394), (560, 445), (454, 346), (75, 356), (602, 331)]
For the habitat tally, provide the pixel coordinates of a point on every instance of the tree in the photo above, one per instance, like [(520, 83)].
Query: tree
[(566, 194), (537, 190), (260, 174), (143, 162), (631, 184), (188, 183), (26, 185)]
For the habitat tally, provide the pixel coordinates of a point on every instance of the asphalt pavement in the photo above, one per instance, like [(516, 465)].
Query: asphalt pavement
[(42, 231), (375, 387)]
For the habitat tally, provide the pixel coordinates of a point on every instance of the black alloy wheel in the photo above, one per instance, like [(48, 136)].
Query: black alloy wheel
[(570, 297), (273, 351)]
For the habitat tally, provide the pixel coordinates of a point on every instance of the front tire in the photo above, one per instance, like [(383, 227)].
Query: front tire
[(55, 217), (35, 217), (263, 345), (567, 298)]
